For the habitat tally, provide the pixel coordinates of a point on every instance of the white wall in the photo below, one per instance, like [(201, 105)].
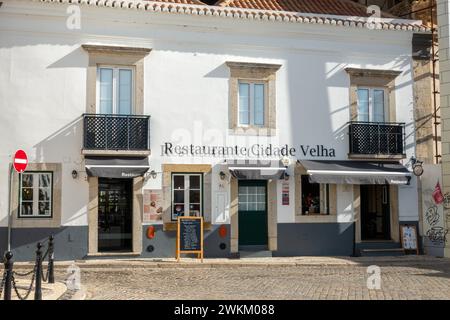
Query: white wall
[(345, 209), (43, 87)]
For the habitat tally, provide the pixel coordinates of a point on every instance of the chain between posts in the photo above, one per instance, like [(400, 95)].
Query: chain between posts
[(30, 287), (8, 281), (2, 283)]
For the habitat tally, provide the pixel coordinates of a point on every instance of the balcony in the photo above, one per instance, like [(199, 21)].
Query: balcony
[(116, 134), (376, 140)]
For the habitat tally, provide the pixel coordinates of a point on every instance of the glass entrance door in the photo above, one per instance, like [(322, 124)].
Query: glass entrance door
[(114, 214), (375, 212)]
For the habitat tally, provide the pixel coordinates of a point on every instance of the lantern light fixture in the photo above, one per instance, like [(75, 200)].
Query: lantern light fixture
[(222, 175)]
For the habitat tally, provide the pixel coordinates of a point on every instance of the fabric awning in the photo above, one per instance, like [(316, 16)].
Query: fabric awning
[(256, 169), (356, 172), (116, 167)]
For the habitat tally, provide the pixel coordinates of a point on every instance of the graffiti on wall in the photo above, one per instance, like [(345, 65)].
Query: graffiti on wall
[(435, 233), (434, 202)]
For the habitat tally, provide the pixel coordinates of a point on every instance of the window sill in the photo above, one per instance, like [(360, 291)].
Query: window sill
[(36, 222), (316, 218), (172, 226), (113, 254), (253, 131), (34, 217)]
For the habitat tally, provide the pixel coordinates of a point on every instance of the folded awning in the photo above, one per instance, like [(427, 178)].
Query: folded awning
[(256, 169), (116, 167), (355, 172)]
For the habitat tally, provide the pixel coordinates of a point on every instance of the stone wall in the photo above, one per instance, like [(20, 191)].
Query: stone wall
[(443, 10)]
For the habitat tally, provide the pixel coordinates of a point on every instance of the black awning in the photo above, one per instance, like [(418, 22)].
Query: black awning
[(256, 169), (116, 167), (356, 172)]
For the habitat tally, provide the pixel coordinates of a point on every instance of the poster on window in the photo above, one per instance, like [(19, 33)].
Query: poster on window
[(153, 206)]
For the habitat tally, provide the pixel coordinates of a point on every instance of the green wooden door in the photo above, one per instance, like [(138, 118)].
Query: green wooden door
[(252, 212)]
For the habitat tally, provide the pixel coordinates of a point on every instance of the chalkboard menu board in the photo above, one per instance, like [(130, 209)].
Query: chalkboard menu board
[(409, 238), (190, 236)]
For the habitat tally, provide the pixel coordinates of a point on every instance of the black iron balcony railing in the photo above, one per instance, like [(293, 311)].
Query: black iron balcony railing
[(116, 132), (374, 138)]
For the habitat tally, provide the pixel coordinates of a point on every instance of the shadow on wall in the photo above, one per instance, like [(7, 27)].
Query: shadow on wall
[(70, 242), (222, 71), (62, 146), (78, 58)]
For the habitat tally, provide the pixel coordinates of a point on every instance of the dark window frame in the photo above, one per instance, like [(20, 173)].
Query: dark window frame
[(201, 174), (19, 201)]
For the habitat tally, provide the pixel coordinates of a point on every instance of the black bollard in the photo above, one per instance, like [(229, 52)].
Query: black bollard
[(38, 288), (9, 274), (51, 274)]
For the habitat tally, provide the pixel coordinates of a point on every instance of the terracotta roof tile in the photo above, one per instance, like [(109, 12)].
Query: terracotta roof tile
[(198, 2), (330, 7), (332, 18)]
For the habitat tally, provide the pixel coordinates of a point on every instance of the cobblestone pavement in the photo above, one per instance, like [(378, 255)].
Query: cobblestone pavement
[(398, 281)]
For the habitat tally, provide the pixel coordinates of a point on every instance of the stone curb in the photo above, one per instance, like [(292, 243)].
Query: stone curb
[(248, 262)]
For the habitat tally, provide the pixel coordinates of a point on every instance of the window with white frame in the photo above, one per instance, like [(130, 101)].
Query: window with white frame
[(35, 194), (372, 105), (187, 195), (251, 103), (115, 90)]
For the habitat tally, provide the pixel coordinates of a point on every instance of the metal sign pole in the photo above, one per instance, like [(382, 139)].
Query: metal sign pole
[(9, 205)]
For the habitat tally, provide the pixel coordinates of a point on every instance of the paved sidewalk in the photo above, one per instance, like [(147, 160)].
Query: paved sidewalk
[(220, 262), (406, 277)]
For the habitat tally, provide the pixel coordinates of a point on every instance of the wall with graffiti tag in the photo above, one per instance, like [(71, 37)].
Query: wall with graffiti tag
[(434, 231)]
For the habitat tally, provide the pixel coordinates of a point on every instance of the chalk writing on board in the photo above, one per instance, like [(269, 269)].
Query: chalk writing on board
[(190, 235)]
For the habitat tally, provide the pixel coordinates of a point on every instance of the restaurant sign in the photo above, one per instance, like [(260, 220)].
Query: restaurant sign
[(255, 150)]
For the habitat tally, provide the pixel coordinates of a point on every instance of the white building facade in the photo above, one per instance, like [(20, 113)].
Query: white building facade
[(137, 113)]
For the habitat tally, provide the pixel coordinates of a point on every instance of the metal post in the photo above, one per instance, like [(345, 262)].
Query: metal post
[(38, 289), (9, 264), (51, 274), (9, 206)]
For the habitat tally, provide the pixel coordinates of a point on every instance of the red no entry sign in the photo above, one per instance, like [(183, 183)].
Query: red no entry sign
[(20, 161)]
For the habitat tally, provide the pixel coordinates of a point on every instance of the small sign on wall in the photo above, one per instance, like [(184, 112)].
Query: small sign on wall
[(153, 206), (285, 193)]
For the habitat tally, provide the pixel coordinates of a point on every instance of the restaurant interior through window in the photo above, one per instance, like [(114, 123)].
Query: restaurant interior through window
[(315, 197)]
